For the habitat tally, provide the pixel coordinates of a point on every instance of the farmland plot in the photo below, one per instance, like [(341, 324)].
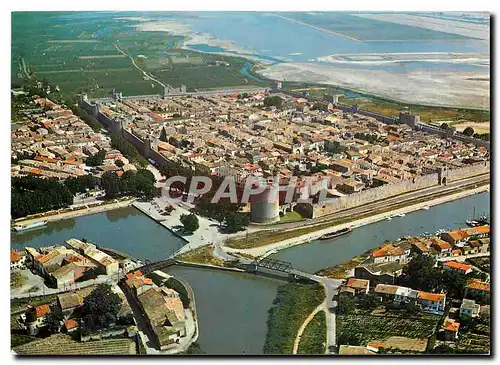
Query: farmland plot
[(370, 327)]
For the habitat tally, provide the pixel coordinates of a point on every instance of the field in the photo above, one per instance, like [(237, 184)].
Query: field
[(62, 344), (478, 127), (313, 338), (291, 217), (363, 328), (81, 54)]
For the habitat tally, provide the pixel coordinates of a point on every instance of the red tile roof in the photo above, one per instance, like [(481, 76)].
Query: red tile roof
[(451, 325), (42, 310), (433, 297), (478, 285), (70, 324), (457, 266), (14, 256)]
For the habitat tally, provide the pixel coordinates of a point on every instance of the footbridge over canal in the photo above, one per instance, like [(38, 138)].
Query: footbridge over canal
[(265, 266)]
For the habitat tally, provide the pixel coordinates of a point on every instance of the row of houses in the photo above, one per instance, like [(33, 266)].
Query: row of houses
[(63, 266), (453, 243), (161, 308)]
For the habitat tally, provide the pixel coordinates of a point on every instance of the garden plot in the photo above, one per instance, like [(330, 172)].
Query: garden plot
[(380, 328)]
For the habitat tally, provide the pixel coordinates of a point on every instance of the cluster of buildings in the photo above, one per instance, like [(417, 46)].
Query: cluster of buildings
[(63, 266), (55, 143), (236, 136), (161, 308), (66, 307), (379, 273)]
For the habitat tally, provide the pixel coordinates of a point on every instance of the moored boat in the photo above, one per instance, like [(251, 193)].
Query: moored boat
[(25, 227), (340, 232)]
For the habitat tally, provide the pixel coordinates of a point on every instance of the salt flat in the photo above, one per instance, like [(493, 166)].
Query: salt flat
[(428, 87)]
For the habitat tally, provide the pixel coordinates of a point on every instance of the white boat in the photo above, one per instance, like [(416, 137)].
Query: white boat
[(25, 227), (400, 215), (426, 207), (389, 218)]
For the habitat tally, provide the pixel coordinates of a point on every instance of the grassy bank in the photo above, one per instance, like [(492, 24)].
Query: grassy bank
[(201, 255), (341, 271), (293, 303), (313, 339)]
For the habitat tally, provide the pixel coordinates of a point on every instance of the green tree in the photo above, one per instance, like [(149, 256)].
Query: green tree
[(176, 285), (30, 195), (119, 163), (444, 126), (54, 321), (345, 304), (421, 274), (369, 301), (190, 222), (273, 101), (112, 184), (100, 308), (235, 222), (97, 159), (79, 184), (469, 131)]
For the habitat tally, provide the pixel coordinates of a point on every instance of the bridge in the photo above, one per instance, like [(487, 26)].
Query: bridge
[(272, 264), (149, 266)]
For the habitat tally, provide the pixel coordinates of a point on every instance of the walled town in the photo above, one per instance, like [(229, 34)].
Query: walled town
[(352, 157)]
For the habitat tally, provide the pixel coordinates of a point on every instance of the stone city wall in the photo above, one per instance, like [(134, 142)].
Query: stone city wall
[(466, 171), (391, 190)]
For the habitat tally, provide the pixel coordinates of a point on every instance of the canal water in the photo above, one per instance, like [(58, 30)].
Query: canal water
[(321, 254), (127, 230), (232, 307)]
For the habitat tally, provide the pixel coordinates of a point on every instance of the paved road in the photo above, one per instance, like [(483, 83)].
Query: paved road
[(101, 279), (463, 257)]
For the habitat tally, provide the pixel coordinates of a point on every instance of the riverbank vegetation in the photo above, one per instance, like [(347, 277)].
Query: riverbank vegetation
[(292, 305), (201, 255), (313, 340), (341, 271)]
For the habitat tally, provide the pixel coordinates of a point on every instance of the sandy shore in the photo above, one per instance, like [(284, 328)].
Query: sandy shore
[(275, 247), (428, 87), (78, 213)]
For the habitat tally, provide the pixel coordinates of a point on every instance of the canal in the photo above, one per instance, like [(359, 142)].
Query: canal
[(321, 254), (232, 308), (126, 229)]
